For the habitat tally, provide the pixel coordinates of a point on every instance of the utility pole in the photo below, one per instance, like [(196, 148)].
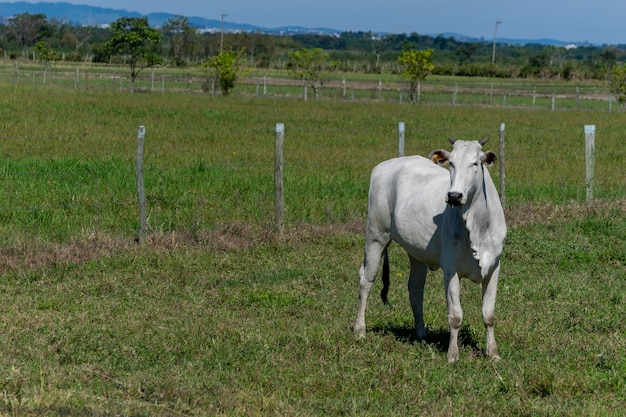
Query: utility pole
[(495, 36), (222, 33)]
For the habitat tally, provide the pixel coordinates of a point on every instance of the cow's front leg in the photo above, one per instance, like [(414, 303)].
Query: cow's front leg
[(452, 288), (490, 287), (417, 280)]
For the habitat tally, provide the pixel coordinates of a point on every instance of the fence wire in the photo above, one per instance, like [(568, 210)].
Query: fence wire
[(325, 182), (57, 205), (502, 93)]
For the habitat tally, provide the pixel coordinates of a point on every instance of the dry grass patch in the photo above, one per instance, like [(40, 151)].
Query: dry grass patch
[(34, 255), (548, 213)]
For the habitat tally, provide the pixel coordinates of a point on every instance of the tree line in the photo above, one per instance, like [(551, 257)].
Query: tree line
[(177, 43)]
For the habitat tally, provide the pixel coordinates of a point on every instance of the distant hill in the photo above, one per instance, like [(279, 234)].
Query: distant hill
[(83, 15), (544, 41)]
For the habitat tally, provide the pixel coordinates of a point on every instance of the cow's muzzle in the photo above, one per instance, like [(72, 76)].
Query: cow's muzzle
[(455, 199)]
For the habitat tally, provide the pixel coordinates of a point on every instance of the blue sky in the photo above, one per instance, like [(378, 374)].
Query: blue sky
[(599, 21)]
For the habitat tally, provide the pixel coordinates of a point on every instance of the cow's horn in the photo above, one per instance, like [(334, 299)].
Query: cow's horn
[(451, 140), (483, 141)]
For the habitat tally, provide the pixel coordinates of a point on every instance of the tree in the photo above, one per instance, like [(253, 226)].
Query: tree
[(380, 44), (465, 51), (608, 57), (182, 40), (134, 39), (45, 54), (618, 83), (417, 65), (312, 66), (28, 28), (229, 65)]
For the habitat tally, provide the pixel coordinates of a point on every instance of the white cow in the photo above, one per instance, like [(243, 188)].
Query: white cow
[(449, 219)]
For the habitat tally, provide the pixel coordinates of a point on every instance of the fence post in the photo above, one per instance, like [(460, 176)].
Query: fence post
[(456, 90), (400, 138), (279, 193), (419, 91), (590, 139), (141, 192), (502, 171)]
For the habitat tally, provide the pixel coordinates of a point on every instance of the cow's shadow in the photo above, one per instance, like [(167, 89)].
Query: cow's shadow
[(438, 337)]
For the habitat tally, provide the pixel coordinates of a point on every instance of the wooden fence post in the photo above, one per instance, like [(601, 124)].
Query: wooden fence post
[(590, 139), (141, 192), (502, 171), (454, 94), (279, 194), (400, 138), (419, 91)]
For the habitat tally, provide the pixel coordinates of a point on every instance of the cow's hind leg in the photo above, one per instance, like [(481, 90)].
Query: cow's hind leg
[(367, 274), (417, 280), (490, 287)]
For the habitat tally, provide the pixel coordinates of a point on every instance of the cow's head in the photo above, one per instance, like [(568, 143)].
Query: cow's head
[(466, 168)]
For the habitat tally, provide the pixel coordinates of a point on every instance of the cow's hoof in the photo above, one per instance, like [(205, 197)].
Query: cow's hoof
[(359, 333), (453, 356), (421, 334)]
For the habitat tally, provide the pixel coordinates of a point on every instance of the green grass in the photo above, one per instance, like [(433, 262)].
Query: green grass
[(265, 330), (219, 315), (588, 95)]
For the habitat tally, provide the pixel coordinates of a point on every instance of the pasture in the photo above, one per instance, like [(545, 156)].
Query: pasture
[(219, 315)]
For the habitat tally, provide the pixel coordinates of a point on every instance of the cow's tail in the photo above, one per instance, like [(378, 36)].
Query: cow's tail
[(385, 290)]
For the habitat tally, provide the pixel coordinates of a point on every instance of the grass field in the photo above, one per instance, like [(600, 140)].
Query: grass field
[(589, 95), (219, 315)]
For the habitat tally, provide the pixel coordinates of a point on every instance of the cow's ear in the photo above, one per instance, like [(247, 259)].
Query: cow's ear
[(489, 158), (440, 156)]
